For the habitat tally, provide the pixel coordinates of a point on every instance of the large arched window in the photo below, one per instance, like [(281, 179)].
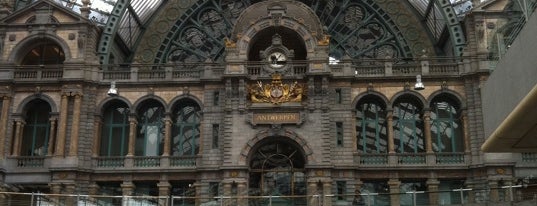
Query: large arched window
[(407, 125), (277, 169), (36, 130), (150, 138), (446, 126), (115, 131), (43, 54), (186, 128), (371, 132)]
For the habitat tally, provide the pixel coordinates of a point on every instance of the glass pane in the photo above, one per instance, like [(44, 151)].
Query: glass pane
[(371, 128), (446, 129)]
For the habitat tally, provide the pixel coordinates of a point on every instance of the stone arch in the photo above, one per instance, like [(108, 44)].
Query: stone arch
[(372, 93), (417, 95), (177, 99), (453, 95), (264, 134), (141, 100), (28, 43), (44, 97), (304, 22), (106, 102)]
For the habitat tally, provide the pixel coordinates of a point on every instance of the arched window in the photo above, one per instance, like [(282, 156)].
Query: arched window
[(277, 169), (408, 126), (446, 126), (43, 54), (115, 132), (36, 130), (186, 128), (371, 132), (150, 135)]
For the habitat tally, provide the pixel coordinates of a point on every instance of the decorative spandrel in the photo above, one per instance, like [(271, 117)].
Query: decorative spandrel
[(276, 92)]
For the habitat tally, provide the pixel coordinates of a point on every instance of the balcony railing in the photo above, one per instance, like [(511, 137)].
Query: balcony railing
[(30, 162), (197, 72), (450, 158), (183, 161), (147, 161), (410, 159), (114, 162), (529, 157)]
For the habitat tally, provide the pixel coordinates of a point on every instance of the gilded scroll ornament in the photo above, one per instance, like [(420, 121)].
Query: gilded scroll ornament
[(276, 92)]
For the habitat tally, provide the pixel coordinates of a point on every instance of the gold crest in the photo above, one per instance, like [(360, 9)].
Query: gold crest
[(276, 92)]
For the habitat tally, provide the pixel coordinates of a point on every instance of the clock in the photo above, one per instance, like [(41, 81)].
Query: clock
[(276, 60)]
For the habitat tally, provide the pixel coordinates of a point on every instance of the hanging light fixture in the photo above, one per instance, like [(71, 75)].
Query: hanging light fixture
[(113, 90), (419, 85)]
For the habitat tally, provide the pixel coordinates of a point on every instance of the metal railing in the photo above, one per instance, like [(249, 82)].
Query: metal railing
[(461, 196)]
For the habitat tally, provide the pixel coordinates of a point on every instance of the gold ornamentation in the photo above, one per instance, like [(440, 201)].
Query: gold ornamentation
[(325, 41), (276, 92), (229, 43)]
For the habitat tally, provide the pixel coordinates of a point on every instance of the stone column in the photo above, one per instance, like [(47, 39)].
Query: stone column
[(327, 192), (241, 191), (432, 189), (427, 132), (70, 189), (494, 195), (391, 146), (97, 126), (75, 127), (3, 124), (62, 129), (52, 136), (132, 135), (164, 191), (394, 185), (17, 138), (313, 193), (55, 188), (167, 135), (127, 189)]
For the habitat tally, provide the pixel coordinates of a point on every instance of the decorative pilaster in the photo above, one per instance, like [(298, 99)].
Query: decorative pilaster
[(394, 185), (127, 188), (427, 131), (52, 136), (465, 135), (391, 146), (494, 195), (432, 190), (313, 193), (97, 136), (62, 128), (75, 127), (327, 192), (167, 135), (3, 124), (132, 135), (241, 189), (163, 191)]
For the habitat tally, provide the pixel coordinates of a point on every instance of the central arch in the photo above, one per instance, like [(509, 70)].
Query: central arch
[(277, 168)]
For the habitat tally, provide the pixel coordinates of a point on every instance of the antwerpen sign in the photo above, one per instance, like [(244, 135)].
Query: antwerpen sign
[(276, 118)]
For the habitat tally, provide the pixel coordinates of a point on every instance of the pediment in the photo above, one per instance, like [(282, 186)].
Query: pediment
[(38, 9)]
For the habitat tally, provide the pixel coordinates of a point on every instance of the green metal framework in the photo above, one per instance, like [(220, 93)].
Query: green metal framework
[(186, 129), (149, 141), (371, 131), (115, 132), (408, 127), (36, 131), (446, 128)]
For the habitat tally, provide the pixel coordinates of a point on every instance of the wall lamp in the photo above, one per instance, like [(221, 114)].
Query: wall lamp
[(419, 85), (113, 90)]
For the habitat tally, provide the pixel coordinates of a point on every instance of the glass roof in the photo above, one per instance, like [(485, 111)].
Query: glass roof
[(135, 17)]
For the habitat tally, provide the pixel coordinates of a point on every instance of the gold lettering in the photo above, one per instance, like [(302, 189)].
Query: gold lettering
[(276, 118)]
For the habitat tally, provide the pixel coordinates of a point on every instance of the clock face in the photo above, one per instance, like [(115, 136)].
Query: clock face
[(276, 60)]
